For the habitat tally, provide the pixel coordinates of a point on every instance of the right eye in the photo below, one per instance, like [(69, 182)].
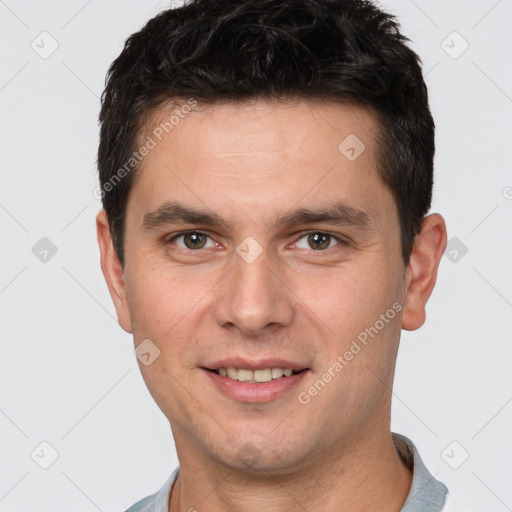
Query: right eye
[(193, 240)]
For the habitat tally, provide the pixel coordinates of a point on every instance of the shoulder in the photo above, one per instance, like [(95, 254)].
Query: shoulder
[(158, 502), (144, 505), (450, 505)]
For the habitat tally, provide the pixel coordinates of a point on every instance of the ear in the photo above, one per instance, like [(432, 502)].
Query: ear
[(112, 271), (421, 271)]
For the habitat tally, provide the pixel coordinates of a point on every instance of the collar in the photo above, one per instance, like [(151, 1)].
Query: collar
[(426, 493)]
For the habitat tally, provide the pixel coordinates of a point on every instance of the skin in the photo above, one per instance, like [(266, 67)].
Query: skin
[(251, 164)]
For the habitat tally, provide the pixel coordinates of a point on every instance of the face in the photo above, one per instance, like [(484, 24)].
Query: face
[(291, 261)]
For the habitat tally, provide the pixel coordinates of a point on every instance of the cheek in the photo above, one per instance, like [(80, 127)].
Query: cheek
[(348, 299), (168, 307), (158, 300), (359, 312)]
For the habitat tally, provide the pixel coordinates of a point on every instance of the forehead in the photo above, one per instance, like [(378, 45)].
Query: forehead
[(262, 156), (297, 127)]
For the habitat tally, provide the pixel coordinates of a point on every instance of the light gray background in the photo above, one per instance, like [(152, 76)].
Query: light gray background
[(68, 373)]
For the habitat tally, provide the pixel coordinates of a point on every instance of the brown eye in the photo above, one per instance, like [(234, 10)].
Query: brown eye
[(318, 241), (192, 240)]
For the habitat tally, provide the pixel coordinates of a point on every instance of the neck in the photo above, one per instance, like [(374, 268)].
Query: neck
[(369, 477)]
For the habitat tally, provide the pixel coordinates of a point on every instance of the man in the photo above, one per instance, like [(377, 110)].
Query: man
[(266, 174)]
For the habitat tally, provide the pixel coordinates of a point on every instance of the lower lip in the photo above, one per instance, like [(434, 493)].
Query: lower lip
[(255, 392)]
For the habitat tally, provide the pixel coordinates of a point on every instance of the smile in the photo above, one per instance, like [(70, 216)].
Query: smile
[(255, 385), (255, 376)]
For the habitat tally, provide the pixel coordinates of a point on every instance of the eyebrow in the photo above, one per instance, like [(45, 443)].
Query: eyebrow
[(173, 212)]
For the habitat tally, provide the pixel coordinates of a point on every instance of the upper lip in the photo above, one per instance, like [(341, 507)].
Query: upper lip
[(260, 364)]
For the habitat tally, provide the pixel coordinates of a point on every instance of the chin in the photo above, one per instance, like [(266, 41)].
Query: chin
[(264, 456)]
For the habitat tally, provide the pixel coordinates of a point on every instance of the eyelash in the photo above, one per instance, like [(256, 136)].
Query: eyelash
[(302, 235)]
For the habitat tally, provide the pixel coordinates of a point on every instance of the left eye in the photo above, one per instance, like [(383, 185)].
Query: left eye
[(318, 240)]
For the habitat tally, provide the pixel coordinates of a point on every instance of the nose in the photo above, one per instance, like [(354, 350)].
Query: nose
[(253, 297)]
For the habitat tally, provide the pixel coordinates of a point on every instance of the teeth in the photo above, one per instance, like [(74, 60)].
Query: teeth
[(263, 375), (245, 375), (277, 372)]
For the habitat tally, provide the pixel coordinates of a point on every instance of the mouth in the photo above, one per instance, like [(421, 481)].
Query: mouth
[(263, 381), (259, 376)]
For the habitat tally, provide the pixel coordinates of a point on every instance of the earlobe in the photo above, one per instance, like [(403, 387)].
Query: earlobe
[(112, 271), (421, 271)]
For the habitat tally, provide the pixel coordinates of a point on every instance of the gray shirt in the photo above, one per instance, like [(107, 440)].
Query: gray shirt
[(425, 495)]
